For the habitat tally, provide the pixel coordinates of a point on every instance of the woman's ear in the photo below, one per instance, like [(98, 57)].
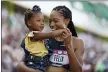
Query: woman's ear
[(67, 21)]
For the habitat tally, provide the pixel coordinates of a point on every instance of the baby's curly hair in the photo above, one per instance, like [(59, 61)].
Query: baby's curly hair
[(29, 13)]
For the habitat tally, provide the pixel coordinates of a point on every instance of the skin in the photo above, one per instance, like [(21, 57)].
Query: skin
[(74, 46)]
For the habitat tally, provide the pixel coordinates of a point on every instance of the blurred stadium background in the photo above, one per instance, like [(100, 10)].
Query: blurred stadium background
[(90, 19)]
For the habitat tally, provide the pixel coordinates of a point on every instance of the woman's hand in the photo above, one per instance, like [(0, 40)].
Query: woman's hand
[(67, 35)]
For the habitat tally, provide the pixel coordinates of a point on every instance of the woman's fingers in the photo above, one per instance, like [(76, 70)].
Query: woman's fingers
[(69, 31), (64, 35)]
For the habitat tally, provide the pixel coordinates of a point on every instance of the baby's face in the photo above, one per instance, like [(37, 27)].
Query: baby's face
[(37, 22)]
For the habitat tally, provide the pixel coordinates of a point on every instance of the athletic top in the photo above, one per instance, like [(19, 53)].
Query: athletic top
[(57, 52)]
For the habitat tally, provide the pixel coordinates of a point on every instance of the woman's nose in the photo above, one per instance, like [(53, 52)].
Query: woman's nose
[(51, 24)]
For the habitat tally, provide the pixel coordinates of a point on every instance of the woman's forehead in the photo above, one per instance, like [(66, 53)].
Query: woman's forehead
[(55, 14)]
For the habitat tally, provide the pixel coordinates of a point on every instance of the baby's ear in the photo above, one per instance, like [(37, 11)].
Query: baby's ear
[(28, 23)]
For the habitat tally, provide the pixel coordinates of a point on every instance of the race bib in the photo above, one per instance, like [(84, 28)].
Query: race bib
[(59, 57)]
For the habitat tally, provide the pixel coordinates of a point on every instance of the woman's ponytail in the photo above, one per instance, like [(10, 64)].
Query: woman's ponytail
[(72, 29)]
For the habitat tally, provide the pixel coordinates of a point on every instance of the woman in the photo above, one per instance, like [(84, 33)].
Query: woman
[(71, 49)]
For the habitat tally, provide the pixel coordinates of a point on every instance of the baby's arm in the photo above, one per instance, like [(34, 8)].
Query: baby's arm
[(41, 35)]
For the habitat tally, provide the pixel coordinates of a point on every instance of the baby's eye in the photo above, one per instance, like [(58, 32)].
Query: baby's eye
[(38, 20)]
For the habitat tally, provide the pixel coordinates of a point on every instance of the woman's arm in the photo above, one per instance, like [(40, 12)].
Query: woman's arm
[(75, 58), (41, 36), (80, 51)]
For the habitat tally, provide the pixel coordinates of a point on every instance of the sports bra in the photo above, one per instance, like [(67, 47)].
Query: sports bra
[(58, 54)]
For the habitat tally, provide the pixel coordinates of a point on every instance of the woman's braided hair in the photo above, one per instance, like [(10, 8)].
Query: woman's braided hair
[(29, 13), (67, 14)]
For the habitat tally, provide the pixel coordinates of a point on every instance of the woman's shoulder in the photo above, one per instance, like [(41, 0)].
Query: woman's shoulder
[(79, 44), (78, 40)]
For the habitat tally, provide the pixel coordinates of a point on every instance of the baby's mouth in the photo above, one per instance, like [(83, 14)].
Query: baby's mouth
[(42, 27), (53, 29)]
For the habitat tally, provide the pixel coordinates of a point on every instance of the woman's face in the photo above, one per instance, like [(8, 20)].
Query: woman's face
[(57, 20)]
